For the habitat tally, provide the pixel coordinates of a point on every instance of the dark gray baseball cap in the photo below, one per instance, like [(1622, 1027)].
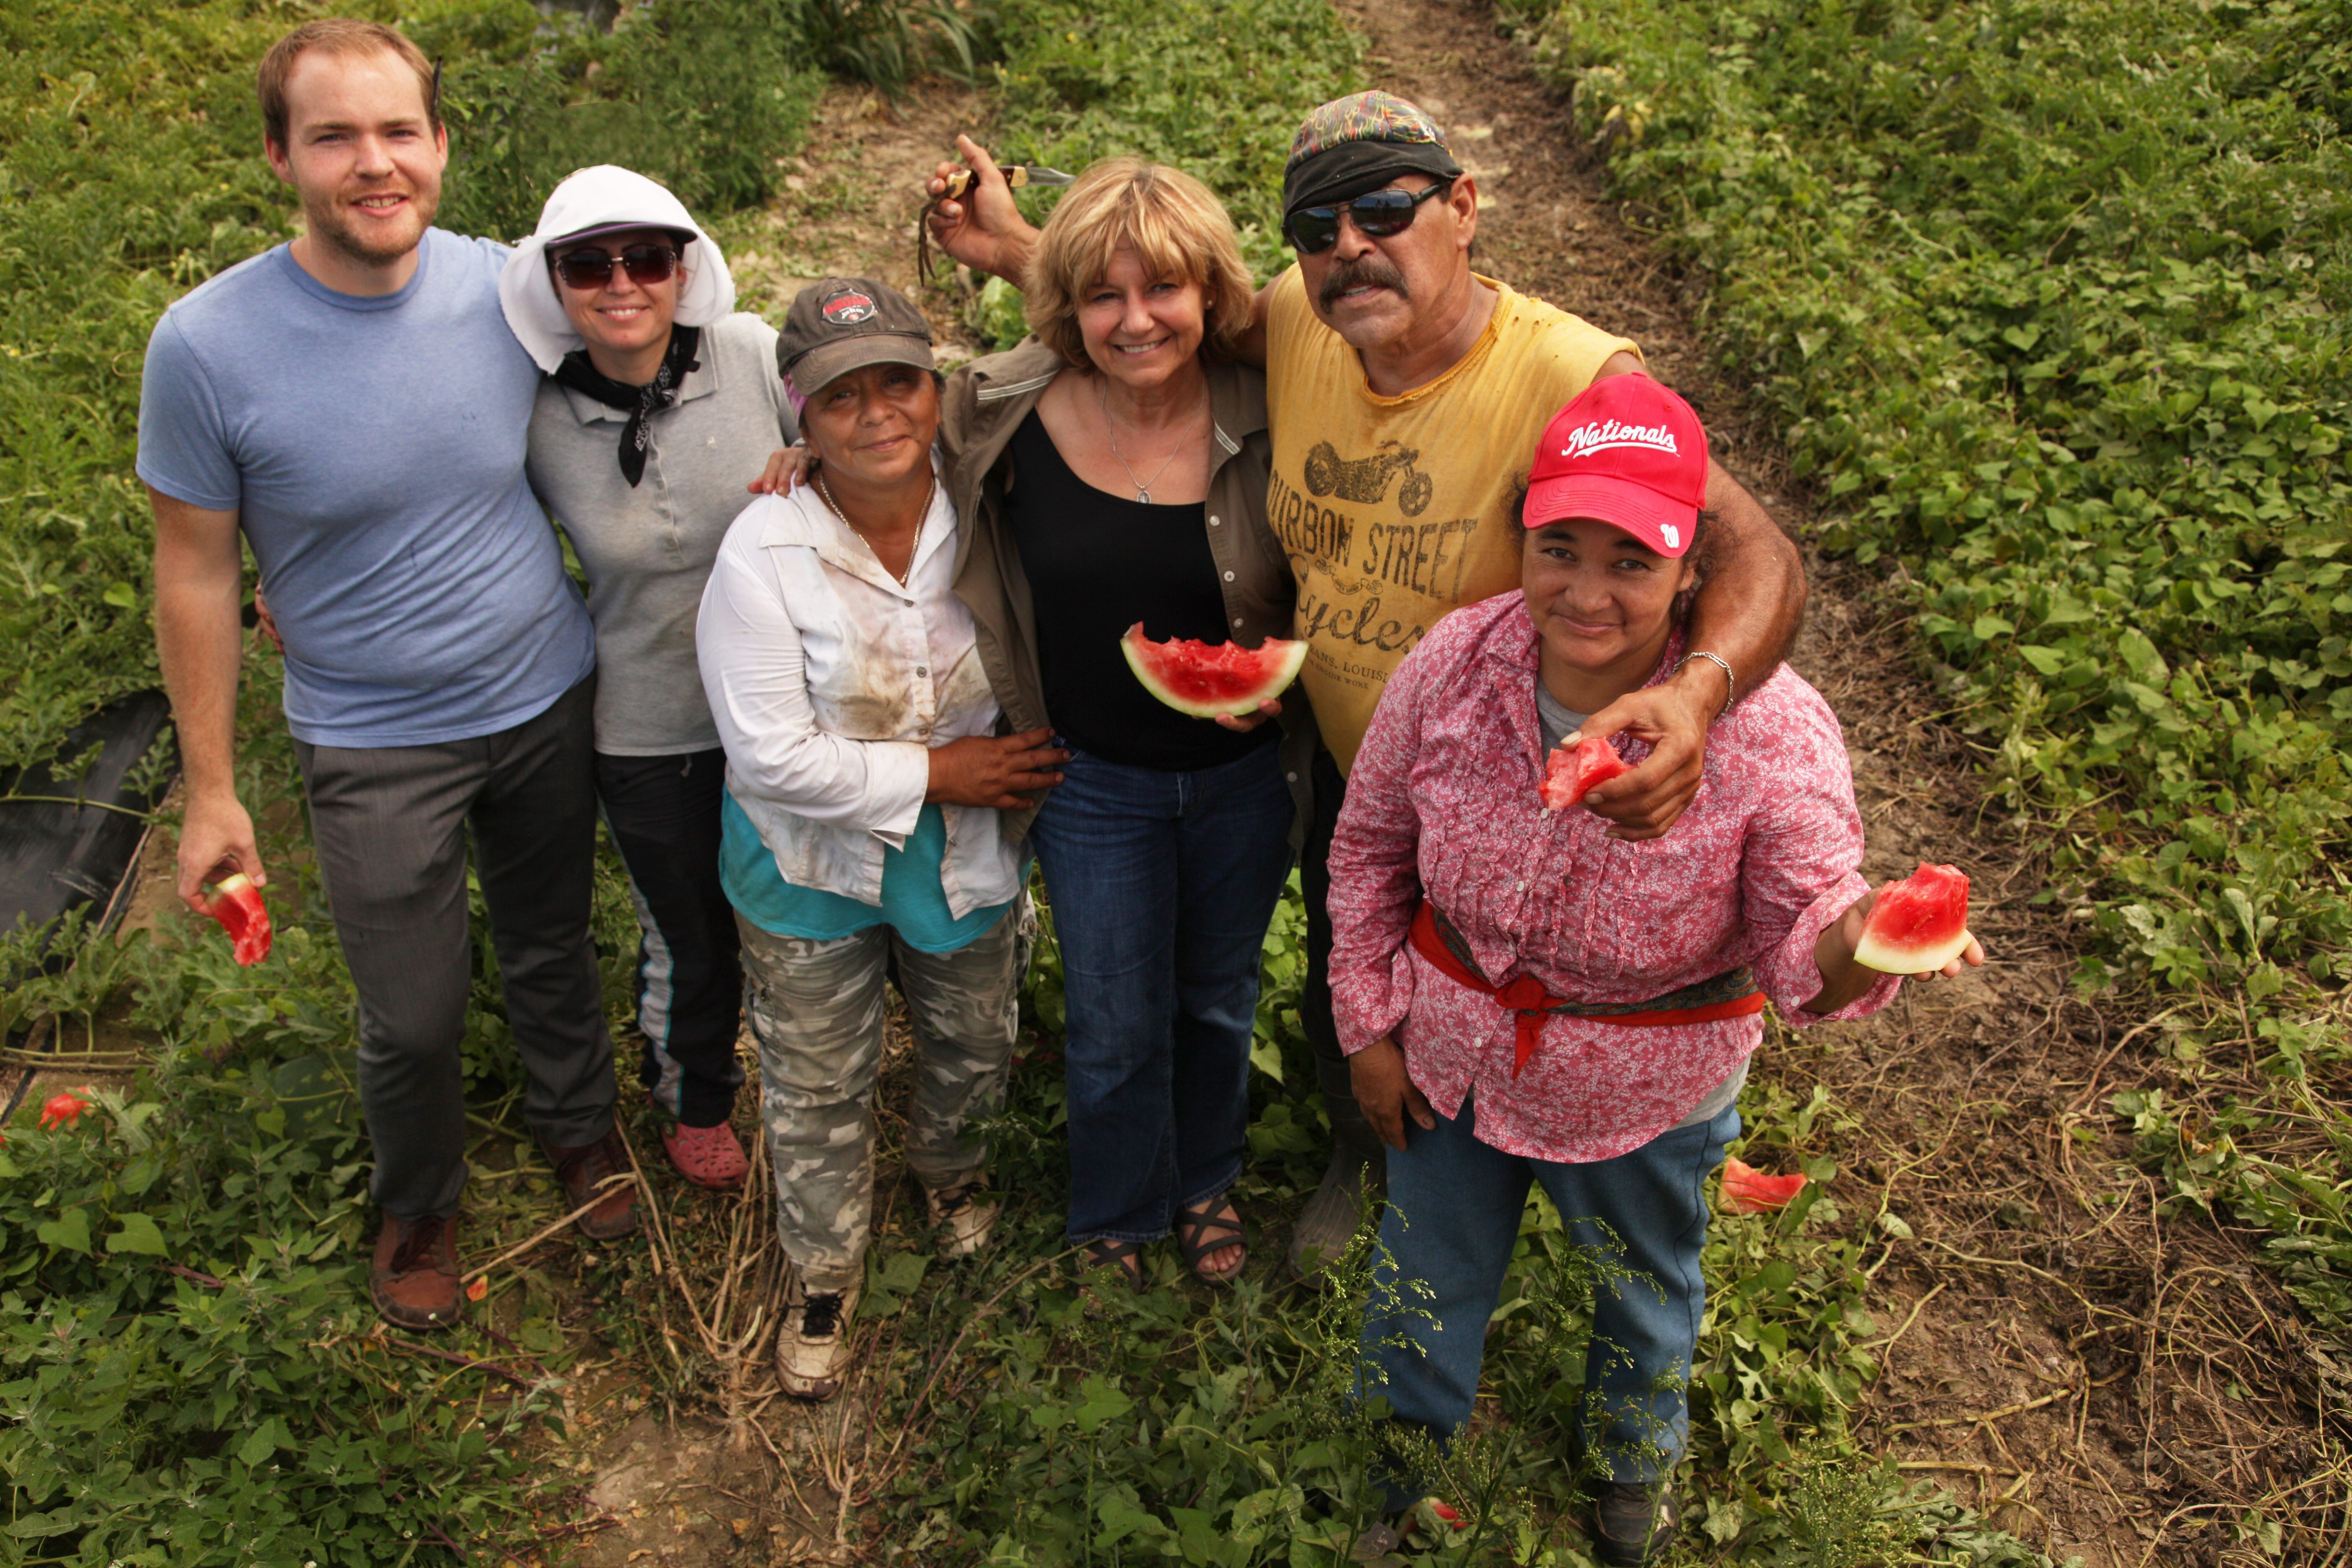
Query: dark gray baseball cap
[(846, 323)]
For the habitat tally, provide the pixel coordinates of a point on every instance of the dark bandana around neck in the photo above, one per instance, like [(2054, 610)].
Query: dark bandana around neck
[(579, 375)]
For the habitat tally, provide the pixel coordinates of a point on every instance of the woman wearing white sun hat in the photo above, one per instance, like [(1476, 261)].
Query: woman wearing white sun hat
[(660, 403)]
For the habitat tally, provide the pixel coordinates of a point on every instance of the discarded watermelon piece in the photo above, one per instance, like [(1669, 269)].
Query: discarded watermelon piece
[(236, 904), (1575, 769), (1205, 679), (1751, 1190), (1918, 924), (63, 1110)]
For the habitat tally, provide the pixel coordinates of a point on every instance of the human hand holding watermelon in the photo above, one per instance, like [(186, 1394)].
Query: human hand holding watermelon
[(1916, 927), (1672, 719)]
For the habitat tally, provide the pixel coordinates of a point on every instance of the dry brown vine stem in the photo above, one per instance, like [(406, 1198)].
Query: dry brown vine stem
[(2088, 1305), (521, 1247), (1969, 1465), (1988, 1417), (2082, 1101), (464, 1363), (1891, 1341)]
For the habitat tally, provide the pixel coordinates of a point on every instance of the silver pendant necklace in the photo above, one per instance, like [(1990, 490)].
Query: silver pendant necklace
[(835, 507), (1142, 487)]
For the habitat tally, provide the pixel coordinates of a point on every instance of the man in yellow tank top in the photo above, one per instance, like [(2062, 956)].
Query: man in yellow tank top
[(1406, 393)]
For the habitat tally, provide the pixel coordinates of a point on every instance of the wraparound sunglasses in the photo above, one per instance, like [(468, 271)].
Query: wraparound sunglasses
[(644, 264), (1378, 214)]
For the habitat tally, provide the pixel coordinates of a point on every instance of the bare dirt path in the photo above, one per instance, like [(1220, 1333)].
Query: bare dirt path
[(2106, 1383)]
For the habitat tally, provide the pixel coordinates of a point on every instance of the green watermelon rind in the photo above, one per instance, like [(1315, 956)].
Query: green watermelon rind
[(1878, 951), (1277, 679)]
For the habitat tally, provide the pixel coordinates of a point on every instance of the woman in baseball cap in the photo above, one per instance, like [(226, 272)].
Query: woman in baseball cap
[(1524, 996), (865, 813)]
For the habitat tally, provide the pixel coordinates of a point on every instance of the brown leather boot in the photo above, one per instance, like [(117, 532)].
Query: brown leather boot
[(584, 1172), (413, 1282)]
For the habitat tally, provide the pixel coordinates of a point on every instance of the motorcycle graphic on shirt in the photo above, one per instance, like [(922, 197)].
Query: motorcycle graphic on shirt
[(1366, 480)]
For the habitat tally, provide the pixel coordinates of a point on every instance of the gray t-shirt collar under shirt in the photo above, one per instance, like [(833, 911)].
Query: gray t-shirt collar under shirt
[(1557, 719)]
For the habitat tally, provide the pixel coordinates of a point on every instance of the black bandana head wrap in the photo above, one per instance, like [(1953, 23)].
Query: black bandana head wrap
[(581, 376), (1360, 143)]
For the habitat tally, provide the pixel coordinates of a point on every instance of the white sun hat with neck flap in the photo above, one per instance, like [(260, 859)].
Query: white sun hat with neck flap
[(602, 200)]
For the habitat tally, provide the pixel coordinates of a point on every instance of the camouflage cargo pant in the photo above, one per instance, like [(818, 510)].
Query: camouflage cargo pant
[(815, 1008)]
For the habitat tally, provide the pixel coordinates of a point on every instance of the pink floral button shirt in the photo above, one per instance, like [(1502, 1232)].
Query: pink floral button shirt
[(1442, 801)]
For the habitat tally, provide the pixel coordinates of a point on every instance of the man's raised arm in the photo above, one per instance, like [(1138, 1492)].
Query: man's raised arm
[(1747, 614), (199, 579)]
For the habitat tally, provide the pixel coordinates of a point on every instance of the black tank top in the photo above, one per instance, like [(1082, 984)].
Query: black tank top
[(1096, 564)]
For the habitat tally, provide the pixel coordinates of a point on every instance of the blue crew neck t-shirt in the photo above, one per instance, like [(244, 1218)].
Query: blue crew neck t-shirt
[(372, 448)]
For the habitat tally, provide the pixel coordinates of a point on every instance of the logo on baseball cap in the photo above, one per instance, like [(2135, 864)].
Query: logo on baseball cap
[(847, 310), (1628, 452)]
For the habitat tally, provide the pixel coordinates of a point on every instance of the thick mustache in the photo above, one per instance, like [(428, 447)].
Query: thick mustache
[(1355, 274)]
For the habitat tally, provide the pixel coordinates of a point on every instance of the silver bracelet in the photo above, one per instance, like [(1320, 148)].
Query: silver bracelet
[(1730, 681)]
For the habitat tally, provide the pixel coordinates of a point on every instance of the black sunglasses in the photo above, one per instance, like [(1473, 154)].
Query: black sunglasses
[(645, 263), (1378, 214)]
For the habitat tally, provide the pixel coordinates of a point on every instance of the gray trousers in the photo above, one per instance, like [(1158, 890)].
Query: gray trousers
[(817, 1010), (391, 824)]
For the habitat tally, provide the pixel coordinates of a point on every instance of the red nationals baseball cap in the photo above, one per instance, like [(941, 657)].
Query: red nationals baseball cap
[(1627, 452)]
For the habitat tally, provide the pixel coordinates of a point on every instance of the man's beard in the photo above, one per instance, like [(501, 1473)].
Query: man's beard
[(1363, 270), (331, 227)]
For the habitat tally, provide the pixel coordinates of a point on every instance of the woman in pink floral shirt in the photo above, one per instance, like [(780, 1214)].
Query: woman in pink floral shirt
[(1543, 1000)]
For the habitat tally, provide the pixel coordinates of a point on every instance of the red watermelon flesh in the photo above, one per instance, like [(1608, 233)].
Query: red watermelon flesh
[(1920, 924), (1205, 679), (1751, 1190), (1575, 769), (236, 904)]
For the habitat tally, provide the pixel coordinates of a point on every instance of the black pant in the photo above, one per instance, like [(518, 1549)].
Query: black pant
[(391, 824), (662, 812), (1315, 882)]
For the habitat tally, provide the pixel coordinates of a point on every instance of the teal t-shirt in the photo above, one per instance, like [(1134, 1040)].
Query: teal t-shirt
[(914, 904)]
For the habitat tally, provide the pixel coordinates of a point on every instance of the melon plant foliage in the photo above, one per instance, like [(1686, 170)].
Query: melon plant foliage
[(2050, 302)]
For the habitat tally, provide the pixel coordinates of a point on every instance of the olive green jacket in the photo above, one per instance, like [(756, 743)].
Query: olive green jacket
[(984, 404)]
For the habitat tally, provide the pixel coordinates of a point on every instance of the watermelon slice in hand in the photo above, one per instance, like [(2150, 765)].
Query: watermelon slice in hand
[(1751, 1190), (1918, 924), (236, 904), (1575, 769), (1205, 679)]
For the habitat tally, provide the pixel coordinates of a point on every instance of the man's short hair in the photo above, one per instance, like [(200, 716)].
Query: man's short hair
[(1170, 220), (346, 37)]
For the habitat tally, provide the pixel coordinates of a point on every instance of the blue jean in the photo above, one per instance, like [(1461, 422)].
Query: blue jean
[(1162, 884), (1454, 1215)]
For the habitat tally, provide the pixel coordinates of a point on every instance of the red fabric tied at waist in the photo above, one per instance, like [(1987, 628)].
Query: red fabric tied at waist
[(1731, 995)]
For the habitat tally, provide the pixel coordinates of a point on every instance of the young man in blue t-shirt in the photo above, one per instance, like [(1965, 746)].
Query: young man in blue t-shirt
[(354, 406)]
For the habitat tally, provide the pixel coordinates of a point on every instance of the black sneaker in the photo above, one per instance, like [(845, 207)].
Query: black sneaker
[(1633, 1522)]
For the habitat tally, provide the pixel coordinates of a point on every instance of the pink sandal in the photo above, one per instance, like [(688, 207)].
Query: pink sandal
[(707, 1156)]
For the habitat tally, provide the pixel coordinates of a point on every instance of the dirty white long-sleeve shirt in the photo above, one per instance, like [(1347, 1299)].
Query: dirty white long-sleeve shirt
[(830, 682)]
